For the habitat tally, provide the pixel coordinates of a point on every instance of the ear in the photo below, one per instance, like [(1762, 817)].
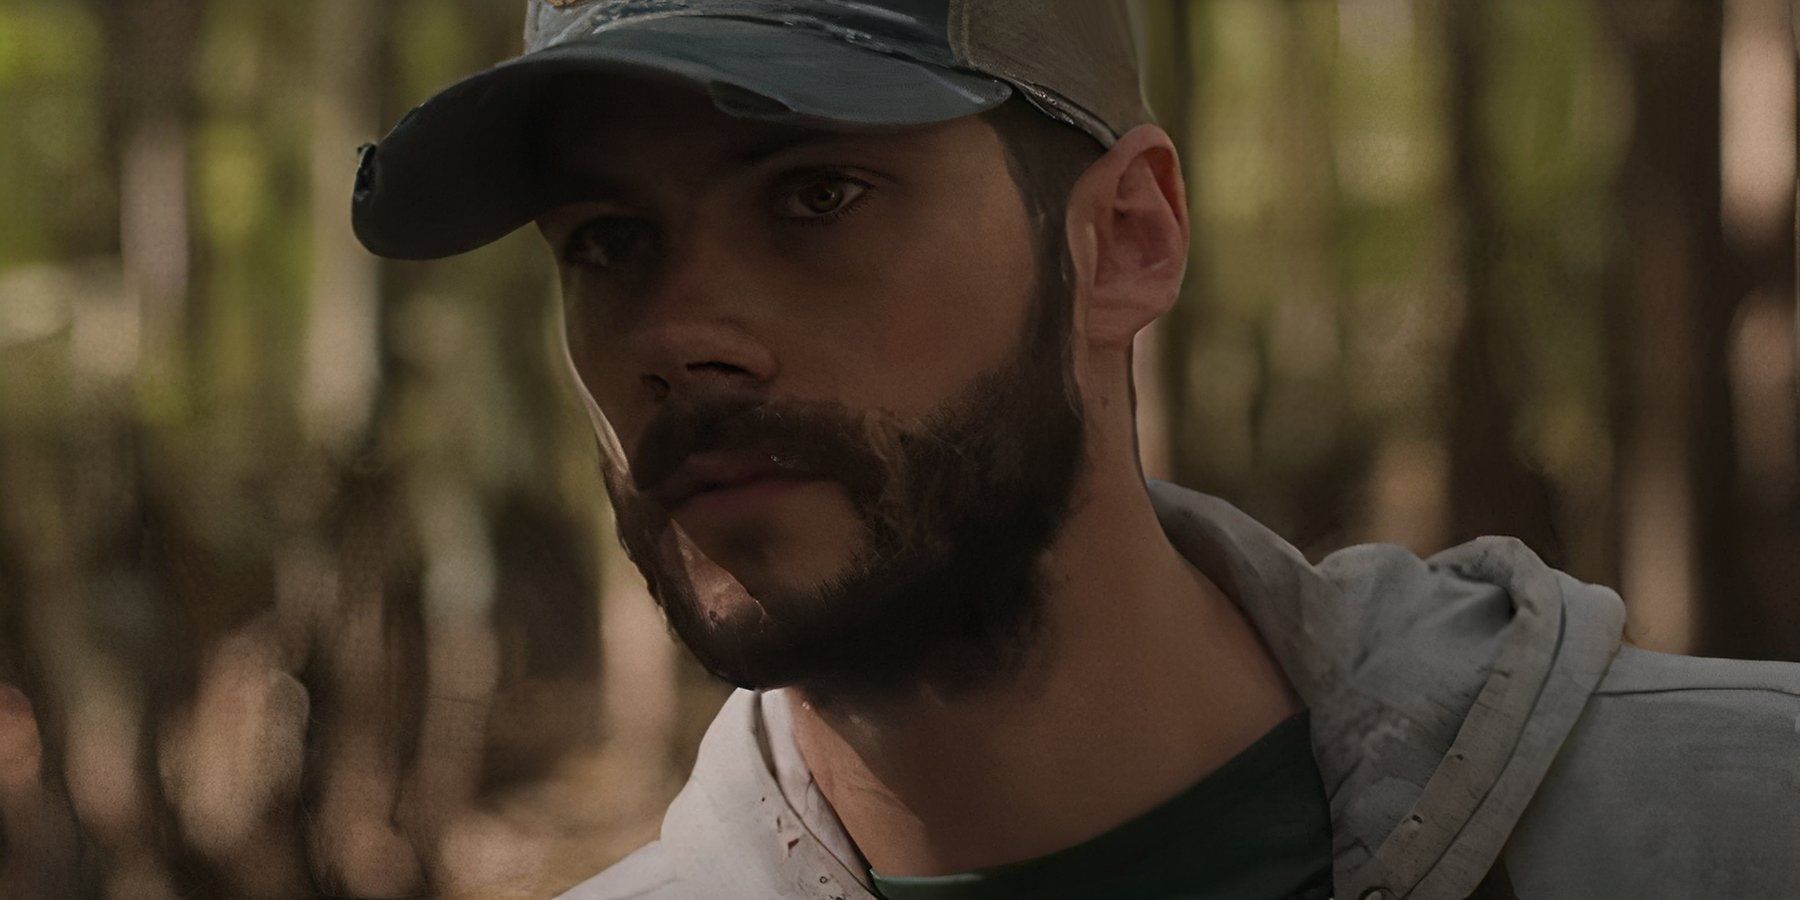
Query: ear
[(1128, 235)]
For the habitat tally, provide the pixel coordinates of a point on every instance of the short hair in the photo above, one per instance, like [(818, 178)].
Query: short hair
[(1046, 158)]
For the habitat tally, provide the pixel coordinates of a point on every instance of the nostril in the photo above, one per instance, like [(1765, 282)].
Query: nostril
[(659, 388)]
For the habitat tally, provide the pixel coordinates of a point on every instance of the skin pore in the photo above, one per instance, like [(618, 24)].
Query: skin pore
[(878, 289)]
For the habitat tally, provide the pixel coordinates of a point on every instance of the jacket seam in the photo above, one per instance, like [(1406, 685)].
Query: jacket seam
[(1698, 689)]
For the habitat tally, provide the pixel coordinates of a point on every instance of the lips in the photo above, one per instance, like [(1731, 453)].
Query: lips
[(704, 472)]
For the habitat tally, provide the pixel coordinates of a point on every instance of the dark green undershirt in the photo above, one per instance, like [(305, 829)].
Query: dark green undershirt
[(1258, 828)]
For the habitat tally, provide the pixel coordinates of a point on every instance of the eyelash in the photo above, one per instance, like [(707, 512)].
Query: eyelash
[(572, 246), (792, 181), (808, 177)]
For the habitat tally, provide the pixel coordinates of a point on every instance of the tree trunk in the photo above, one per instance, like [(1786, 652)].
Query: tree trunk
[(152, 46), (1670, 312), (339, 379), (1492, 489), (1758, 145)]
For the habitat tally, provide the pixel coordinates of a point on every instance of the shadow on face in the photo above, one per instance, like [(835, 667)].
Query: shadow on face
[(825, 356)]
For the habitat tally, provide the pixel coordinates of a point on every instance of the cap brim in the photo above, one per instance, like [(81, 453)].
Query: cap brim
[(456, 173)]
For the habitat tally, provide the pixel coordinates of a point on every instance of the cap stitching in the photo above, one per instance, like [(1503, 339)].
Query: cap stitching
[(958, 27), (1049, 102)]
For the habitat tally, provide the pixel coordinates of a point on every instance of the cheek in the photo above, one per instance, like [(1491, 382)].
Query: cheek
[(950, 298), (602, 365)]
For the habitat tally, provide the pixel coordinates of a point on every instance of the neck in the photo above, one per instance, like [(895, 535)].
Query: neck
[(1146, 679)]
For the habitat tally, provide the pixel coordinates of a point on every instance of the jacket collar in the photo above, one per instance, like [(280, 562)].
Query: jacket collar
[(1440, 692), (1440, 689)]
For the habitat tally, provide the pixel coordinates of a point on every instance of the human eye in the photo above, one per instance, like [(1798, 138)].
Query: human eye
[(818, 197), (610, 243)]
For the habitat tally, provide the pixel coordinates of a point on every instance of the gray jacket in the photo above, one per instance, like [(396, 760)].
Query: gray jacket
[(1477, 722)]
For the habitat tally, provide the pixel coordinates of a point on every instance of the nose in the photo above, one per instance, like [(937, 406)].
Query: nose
[(697, 355), (698, 331)]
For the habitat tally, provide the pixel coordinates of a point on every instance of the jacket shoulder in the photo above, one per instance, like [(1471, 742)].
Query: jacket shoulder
[(1424, 634), (646, 873), (1683, 774)]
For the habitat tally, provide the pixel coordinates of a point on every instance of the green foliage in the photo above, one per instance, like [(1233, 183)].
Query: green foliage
[(51, 145), (1330, 286), (435, 48)]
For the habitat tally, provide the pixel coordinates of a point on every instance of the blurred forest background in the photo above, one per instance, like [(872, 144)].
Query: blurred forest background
[(304, 562)]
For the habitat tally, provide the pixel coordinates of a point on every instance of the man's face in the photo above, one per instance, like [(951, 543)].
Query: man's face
[(835, 372)]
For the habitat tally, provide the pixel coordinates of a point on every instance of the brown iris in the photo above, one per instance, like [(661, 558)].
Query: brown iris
[(823, 197)]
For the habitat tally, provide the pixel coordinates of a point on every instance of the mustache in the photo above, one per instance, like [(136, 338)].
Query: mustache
[(815, 438)]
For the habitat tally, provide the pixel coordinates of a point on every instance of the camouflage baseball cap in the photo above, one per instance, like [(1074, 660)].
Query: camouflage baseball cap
[(457, 172)]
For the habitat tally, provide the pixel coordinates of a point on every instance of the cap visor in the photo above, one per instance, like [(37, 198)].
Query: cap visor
[(456, 173)]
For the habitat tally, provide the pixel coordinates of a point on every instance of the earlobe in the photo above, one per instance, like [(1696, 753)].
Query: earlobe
[(1128, 231)]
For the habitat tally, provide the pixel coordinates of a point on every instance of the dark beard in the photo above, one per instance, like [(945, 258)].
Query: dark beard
[(957, 515)]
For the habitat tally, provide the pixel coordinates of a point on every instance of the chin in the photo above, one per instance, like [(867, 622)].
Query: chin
[(773, 555), (771, 586), (779, 579)]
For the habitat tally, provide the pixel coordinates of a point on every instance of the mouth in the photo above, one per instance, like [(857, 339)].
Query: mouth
[(709, 475)]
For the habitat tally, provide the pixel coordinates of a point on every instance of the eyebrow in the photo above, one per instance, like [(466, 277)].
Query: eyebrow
[(788, 140)]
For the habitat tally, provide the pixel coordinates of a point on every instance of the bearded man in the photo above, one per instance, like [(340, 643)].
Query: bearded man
[(850, 288)]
